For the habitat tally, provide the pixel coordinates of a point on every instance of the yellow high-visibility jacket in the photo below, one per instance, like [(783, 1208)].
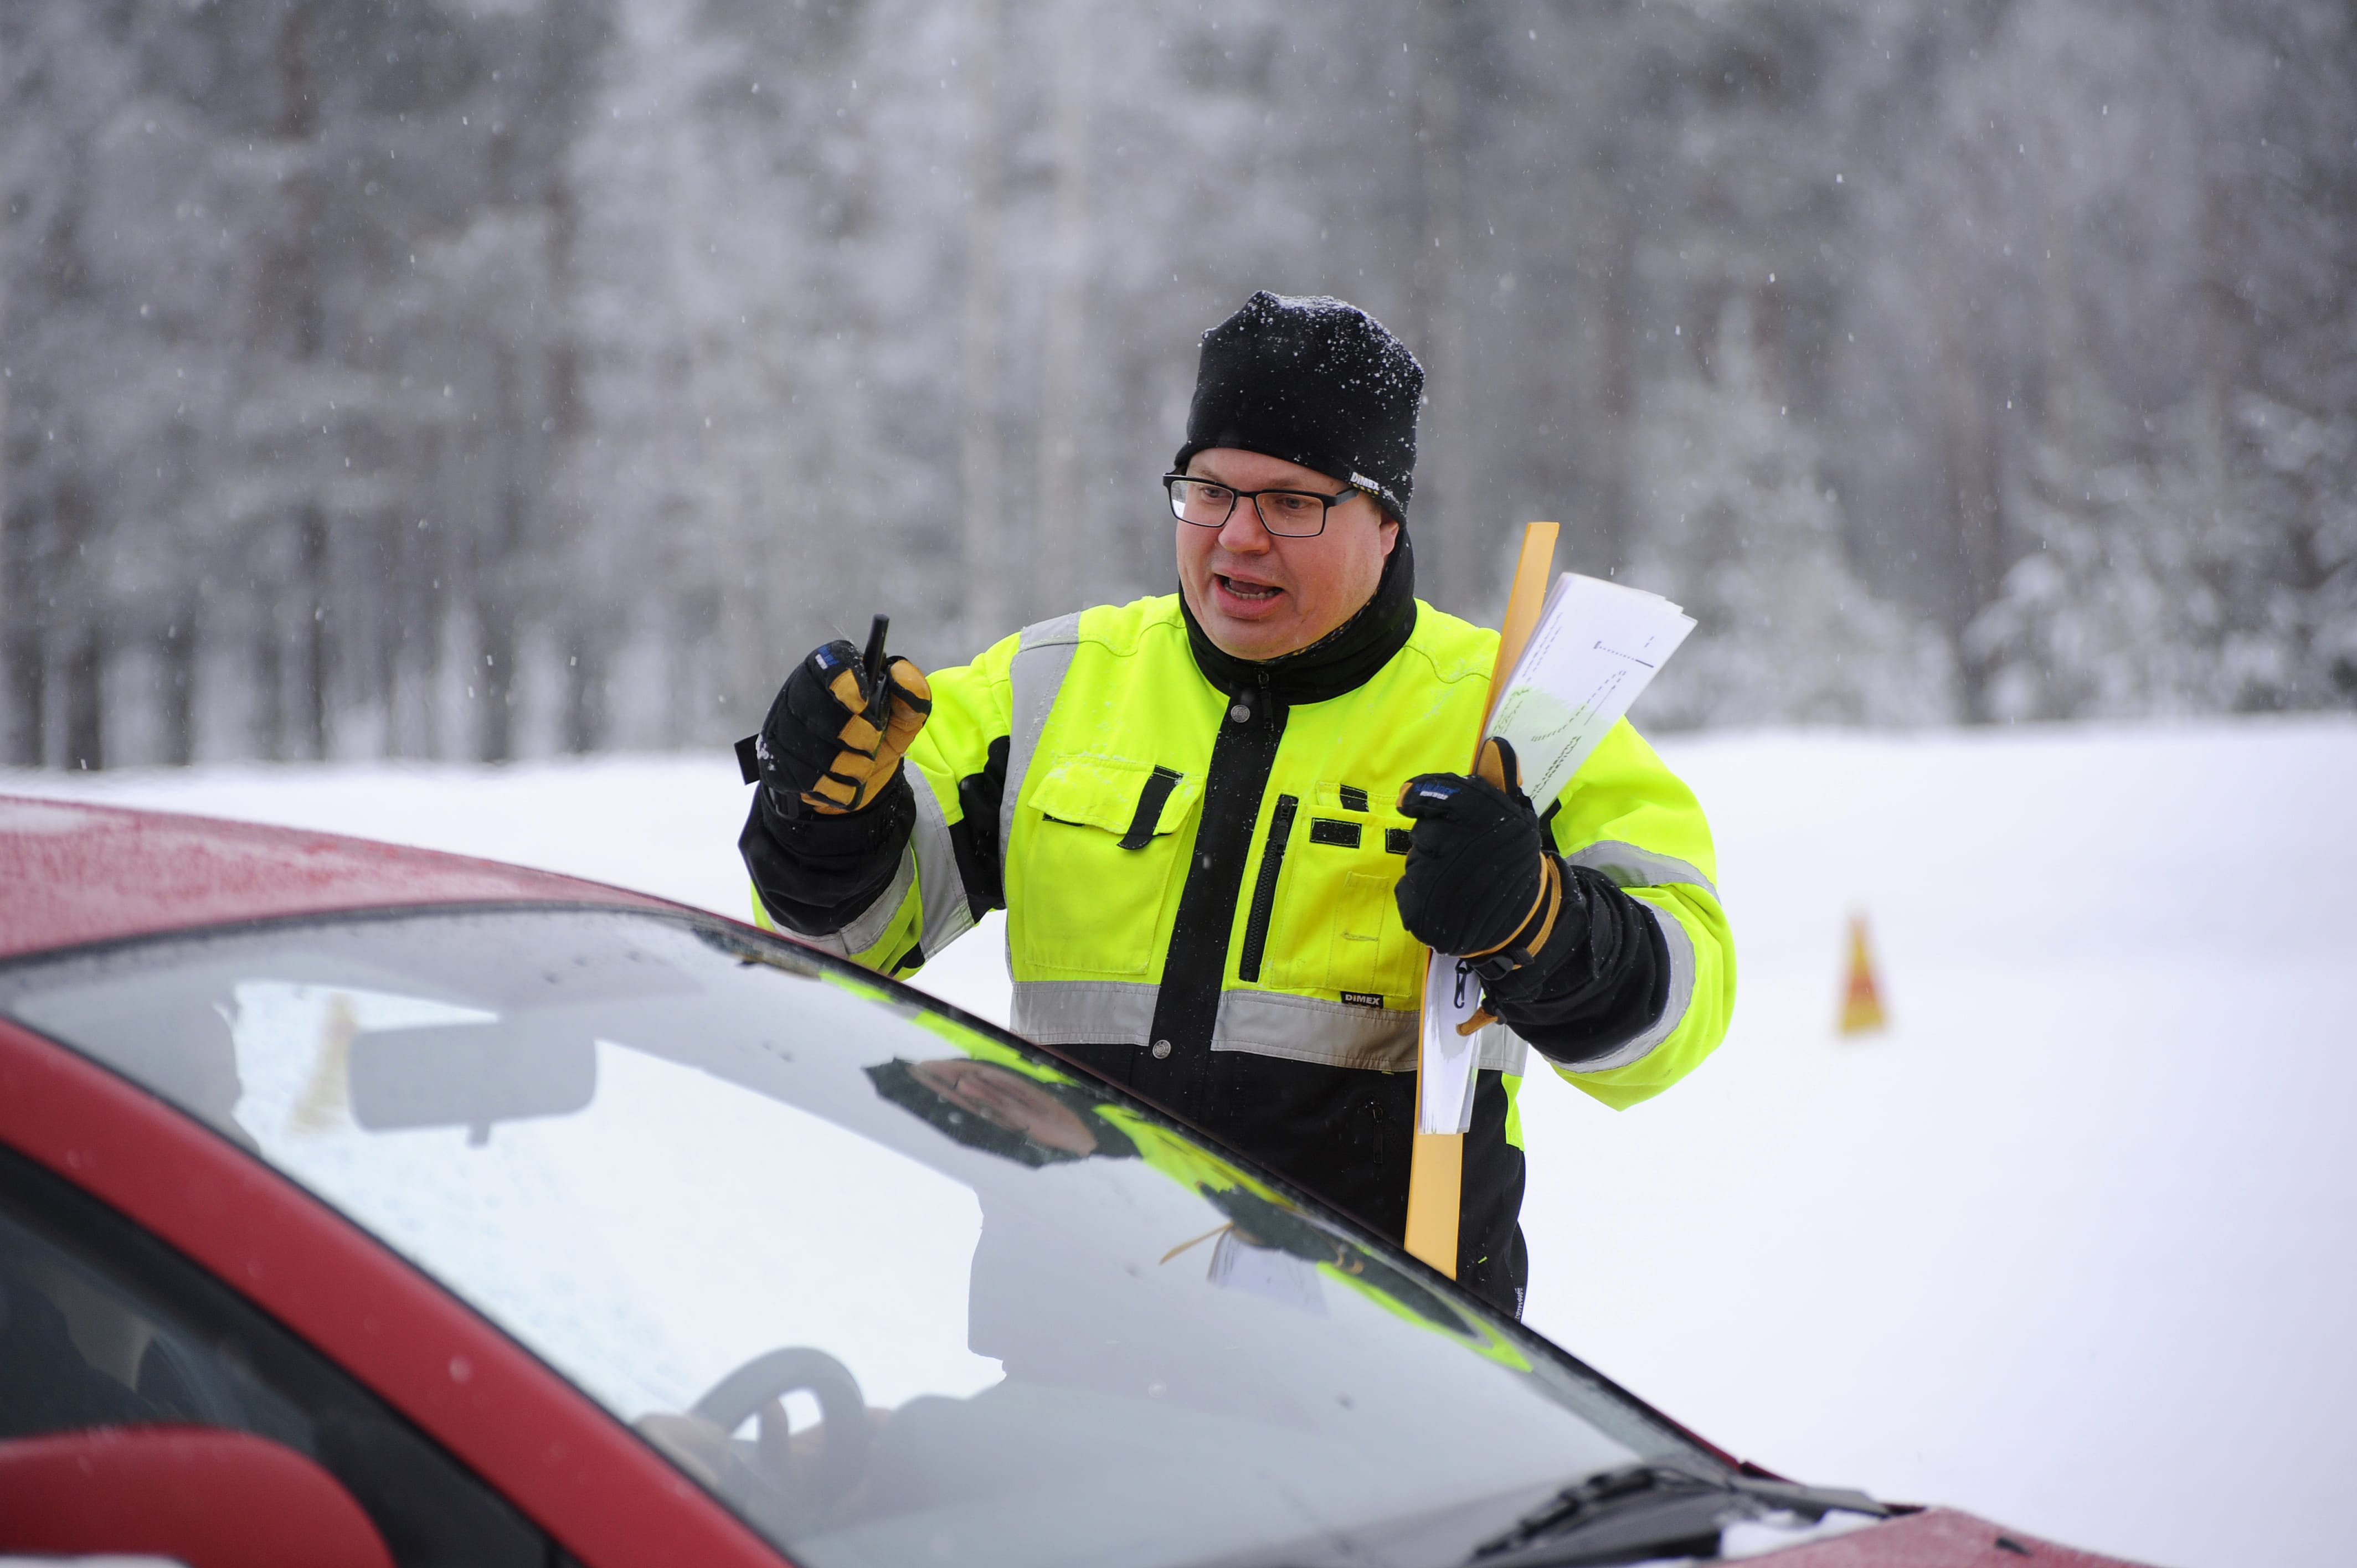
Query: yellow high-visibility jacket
[(1066, 774)]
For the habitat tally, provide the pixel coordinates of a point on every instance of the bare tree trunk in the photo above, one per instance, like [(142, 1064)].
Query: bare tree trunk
[(45, 599), (180, 659), (584, 639), (85, 700), (494, 727), (311, 639), (988, 602), (1457, 554), (381, 679), (427, 594), (78, 629), (569, 42), (269, 681), (292, 284), (1611, 409), (1061, 563), (293, 280), (585, 697), (494, 673), (498, 572), (1975, 520), (14, 602), (22, 646)]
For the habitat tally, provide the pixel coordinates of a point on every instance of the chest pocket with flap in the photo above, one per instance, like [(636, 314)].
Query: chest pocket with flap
[(1096, 865), (1342, 933)]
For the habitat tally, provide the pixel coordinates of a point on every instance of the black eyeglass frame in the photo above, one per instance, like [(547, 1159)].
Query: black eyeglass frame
[(1236, 495)]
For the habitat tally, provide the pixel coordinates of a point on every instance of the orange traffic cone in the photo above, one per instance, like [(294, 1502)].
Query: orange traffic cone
[(1861, 1011)]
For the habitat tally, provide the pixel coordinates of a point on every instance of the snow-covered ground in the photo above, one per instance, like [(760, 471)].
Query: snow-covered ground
[(2074, 1244)]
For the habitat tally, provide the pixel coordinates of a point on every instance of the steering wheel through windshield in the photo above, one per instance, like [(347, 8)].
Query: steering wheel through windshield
[(778, 1482)]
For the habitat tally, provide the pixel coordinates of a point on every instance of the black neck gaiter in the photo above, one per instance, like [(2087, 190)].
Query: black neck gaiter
[(1342, 660)]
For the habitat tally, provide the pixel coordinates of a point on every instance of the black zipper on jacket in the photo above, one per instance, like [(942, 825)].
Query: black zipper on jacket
[(1187, 1007), (1174, 1067), (1272, 862)]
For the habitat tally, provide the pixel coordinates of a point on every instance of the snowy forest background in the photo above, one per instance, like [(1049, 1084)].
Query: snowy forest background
[(501, 378)]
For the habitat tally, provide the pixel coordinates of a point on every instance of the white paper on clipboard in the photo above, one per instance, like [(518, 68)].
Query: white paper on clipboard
[(1595, 648)]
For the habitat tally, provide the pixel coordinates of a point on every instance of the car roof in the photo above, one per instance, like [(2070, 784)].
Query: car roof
[(71, 874)]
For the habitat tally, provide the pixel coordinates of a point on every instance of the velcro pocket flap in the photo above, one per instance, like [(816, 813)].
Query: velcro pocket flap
[(1106, 792)]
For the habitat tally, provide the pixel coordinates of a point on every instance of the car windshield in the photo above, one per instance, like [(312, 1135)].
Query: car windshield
[(736, 1192)]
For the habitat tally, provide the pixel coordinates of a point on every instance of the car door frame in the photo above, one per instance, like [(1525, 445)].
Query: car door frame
[(566, 1463)]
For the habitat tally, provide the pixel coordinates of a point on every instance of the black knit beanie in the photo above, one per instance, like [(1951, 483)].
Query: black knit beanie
[(1314, 382)]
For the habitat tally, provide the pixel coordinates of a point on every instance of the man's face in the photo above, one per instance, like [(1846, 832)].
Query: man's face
[(1259, 595), (1008, 1100)]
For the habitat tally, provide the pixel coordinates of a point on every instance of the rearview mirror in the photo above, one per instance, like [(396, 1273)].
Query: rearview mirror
[(471, 1075)]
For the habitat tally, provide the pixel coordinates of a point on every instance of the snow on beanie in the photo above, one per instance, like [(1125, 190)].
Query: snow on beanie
[(1314, 382)]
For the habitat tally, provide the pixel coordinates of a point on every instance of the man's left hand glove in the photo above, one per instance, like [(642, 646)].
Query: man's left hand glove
[(1577, 965), (1481, 881)]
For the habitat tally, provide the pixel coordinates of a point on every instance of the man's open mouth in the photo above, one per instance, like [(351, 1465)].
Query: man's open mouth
[(1244, 590)]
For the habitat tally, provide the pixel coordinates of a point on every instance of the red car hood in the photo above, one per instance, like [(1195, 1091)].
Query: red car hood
[(78, 874)]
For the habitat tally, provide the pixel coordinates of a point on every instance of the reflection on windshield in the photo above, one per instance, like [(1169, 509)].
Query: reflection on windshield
[(893, 1286), (1000, 1112)]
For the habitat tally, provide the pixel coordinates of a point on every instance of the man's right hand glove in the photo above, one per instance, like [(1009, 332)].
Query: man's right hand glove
[(831, 743), (828, 827)]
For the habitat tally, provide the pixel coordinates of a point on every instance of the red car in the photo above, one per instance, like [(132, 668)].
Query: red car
[(364, 1205)]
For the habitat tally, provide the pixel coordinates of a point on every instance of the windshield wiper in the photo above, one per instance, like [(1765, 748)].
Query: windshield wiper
[(1652, 1509)]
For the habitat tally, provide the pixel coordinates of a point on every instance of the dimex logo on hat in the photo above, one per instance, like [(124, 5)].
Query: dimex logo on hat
[(1316, 382)]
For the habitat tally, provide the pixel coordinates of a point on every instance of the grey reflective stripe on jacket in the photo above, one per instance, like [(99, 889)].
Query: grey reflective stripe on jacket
[(1630, 866), (1042, 659), (867, 929), (1262, 1022), (1083, 1012), (1307, 1029), (948, 914), (930, 860)]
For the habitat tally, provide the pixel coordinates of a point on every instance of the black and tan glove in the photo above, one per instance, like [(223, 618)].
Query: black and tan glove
[(834, 813), (1572, 964), (831, 744), (1481, 882)]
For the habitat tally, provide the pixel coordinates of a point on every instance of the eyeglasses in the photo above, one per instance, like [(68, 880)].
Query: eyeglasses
[(1290, 514)]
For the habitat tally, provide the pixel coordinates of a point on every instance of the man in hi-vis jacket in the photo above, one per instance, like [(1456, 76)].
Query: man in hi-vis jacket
[(1196, 811)]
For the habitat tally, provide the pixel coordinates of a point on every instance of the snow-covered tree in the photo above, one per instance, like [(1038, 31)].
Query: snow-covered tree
[(482, 380), (1743, 532)]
